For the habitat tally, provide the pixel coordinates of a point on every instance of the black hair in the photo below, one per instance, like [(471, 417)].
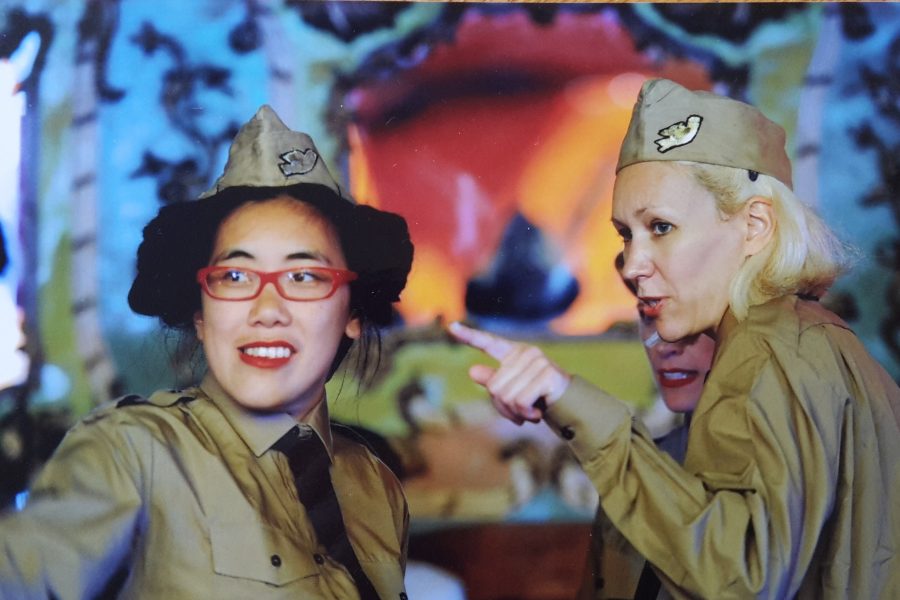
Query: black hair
[(179, 240)]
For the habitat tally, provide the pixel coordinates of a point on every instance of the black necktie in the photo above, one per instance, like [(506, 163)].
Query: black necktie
[(648, 585), (311, 467)]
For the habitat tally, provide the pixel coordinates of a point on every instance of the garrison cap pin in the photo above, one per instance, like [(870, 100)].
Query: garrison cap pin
[(297, 162), (678, 134)]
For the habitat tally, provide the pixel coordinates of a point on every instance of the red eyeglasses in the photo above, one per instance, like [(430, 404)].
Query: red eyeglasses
[(301, 283)]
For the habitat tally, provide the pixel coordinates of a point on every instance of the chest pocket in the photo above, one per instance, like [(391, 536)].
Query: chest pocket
[(252, 550)]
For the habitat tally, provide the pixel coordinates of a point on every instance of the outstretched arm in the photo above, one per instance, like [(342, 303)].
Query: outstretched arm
[(78, 526), (741, 519)]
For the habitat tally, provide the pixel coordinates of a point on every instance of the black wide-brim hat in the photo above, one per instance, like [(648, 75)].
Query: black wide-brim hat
[(266, 159)]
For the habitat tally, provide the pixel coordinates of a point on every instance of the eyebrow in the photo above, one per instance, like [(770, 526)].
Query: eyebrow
[(305, 255), (308, 256), (638, 213)]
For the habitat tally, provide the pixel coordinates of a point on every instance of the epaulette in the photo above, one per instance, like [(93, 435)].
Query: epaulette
[(160, 398), (130, 400), (375, 443), (352, 434)]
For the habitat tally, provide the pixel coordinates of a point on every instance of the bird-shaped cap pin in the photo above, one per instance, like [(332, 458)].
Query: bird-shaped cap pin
[(266, 153), (666, 126)]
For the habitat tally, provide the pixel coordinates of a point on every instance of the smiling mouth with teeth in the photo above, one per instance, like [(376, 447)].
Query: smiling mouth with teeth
[(267, 356), (268, 352), (675, 378)]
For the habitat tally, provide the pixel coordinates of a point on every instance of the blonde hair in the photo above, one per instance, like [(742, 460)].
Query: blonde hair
[(804, 255)]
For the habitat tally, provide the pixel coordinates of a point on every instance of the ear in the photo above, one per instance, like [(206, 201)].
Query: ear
[(354, 328), (198, 324), (761, 223)]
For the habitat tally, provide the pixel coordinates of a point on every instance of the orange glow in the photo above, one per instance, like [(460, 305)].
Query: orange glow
[(567, 191), (425, 296), (462, 162), (364, 189)]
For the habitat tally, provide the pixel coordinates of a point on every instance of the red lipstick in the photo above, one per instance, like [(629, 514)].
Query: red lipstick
[(676, 378), (651, 307), (267, 355)]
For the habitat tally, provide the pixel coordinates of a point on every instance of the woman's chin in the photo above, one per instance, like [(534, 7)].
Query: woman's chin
[(671, 334), (683, 399), (673, 331)]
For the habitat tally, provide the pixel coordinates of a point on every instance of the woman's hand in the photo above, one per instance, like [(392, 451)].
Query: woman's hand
[(524, 378)]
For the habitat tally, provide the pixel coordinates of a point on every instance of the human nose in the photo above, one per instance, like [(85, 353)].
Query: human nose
[(664, 349), (638, 262), (269, 307)]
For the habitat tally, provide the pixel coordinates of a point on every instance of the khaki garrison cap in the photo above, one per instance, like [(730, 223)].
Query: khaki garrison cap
[(265, 153), (670, 122), (267, 160)]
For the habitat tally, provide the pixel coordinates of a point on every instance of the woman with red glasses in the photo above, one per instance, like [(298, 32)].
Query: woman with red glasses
[(238, 487)]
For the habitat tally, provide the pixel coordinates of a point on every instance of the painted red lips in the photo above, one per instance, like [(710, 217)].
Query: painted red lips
[(676, 378), (651, 307), (267, 355)]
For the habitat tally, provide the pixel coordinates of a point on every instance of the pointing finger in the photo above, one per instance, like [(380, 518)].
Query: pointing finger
[(494, 346), (481, 374)]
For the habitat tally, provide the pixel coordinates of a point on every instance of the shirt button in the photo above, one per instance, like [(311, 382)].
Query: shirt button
[(567, 433), (320, 560), (403, 596), (276, 560)]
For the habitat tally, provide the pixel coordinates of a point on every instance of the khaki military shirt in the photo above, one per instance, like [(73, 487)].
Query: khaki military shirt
[(186, 491), (613, 567), (791, 483)]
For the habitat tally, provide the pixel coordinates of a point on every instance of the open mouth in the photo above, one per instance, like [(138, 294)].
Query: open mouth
[(650, 307), (267, 355), (676, 378), (270, 352)]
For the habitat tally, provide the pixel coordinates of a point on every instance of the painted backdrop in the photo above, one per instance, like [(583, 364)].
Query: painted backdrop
[(492, 127)]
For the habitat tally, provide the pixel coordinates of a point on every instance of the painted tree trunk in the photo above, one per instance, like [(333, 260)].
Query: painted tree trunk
[(813, 98), (99, 369)]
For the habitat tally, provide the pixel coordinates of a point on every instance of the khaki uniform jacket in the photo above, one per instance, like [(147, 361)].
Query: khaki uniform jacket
[(791, 483), (613, 566), (185, 490)]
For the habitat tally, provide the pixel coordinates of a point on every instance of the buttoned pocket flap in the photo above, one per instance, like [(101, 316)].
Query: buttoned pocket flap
[(255, 551)]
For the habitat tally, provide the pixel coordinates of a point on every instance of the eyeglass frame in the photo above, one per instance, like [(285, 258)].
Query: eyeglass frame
[(340, 277)]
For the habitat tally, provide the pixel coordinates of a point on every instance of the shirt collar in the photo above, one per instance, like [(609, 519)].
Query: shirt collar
[(765, 317), (261, 430), (726, 325)]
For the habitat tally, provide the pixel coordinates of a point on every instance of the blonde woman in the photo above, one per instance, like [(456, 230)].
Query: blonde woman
[(791, 482)]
